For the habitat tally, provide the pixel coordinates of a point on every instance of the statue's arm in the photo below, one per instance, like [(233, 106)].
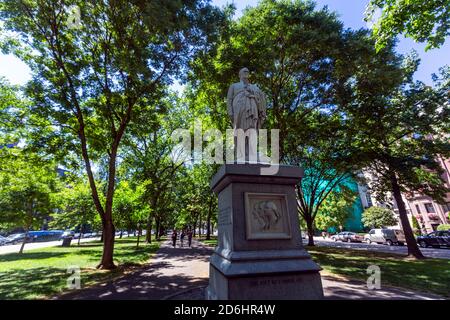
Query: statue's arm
[(230, 96), (262, 105)]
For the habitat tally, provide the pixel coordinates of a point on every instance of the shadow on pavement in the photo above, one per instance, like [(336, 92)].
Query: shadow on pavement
[(149, 282)]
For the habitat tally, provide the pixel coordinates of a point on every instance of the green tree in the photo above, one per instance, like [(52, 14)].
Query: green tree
[(320, 180), (27, 183), (443, 227), (326, 162), (400, 128), (300, 58), (92, 78), (197, 202), (129, 211), (377, 217), (423, 21), (416, 226), (76, 208), (150, 162), (296, 55), (336, 209), (11, 113)]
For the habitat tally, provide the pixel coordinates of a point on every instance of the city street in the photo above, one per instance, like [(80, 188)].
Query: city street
[(442, 253)]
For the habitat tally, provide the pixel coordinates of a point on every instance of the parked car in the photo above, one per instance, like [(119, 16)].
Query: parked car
[(45, 235), (2, 240), (347, 237), (435, 239), (385, 236), (15, 238), (68, 233)]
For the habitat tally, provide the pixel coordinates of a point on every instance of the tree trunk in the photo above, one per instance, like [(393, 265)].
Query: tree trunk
[(107, 261), (208, 221), (200, 226), (23, 242), (413, 249), (158, 222), (121, 234), (310, 229), (195, 227), (138, 236), (81, 232), (28, 224), (148, 236)]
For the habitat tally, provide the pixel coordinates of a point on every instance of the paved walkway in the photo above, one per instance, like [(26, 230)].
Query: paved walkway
[(182, 273), (170, 271)]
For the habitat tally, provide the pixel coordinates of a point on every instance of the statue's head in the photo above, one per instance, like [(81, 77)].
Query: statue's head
[(244, 73)]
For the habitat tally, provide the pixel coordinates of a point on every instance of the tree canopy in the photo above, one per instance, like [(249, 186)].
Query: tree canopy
[(91, 80), (102, 105), (423, 21), (377, 217)]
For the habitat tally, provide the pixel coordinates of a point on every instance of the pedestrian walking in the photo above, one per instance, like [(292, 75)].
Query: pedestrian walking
[(182, 238), (189, 237), (174, 237)]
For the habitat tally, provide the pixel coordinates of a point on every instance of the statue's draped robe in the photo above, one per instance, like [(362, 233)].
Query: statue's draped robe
[(246, 104), (247, 107)]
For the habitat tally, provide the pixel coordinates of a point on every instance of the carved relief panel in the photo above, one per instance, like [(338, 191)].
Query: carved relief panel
[(267, 216)]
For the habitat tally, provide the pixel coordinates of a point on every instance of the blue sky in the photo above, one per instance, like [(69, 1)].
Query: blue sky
[(351, 12)]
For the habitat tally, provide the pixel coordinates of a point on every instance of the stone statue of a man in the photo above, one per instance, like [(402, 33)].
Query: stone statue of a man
[(246, 105)]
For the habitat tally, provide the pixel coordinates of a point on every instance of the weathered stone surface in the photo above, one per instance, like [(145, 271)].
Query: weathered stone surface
[(260, 253), (246, 105)]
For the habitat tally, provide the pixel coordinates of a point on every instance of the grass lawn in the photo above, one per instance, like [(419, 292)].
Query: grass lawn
[(429, 275), (42, 273), (212, 242)]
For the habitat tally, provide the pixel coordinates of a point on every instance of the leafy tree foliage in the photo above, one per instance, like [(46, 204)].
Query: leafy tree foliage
[(377, 217), (400, 128), (11, 114), (197, 202), (76, 210), (27, 185), (296, 56), (300, 58), (423, 21), (336, 209), (150, 162), (129, 212), (416, 226), (91, 79), (443, 227)]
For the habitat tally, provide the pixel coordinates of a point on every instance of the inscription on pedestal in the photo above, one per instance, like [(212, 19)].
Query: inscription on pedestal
[(269, 282), (266, 216), (224, 216)]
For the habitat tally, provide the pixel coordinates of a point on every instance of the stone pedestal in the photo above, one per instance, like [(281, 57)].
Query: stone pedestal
[(260, 253)]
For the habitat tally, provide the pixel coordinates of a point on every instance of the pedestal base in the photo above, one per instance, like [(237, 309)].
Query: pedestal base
[(260, 255), (287, 275)]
